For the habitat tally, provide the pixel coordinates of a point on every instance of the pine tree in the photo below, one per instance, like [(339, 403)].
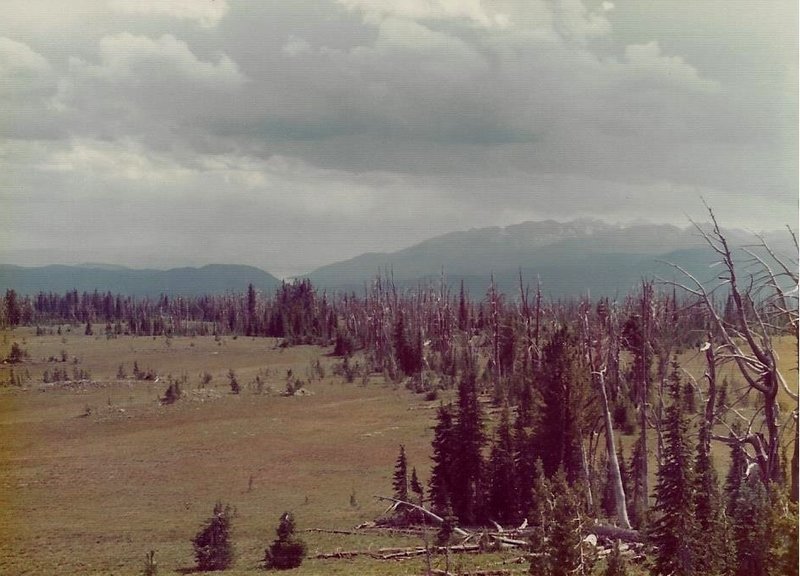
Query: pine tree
[(541, 518), (751, 527), (525, 466), (213, 548), (565, 531), (400, 478), (558, 433), (416, 486), (287, 550), (503, 501), (733, 481), (469, 440), (674, 532), (441, 483), (783, 531), (708, 508), (444, 535)]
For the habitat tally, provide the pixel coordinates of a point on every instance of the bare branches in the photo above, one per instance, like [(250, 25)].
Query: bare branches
[(759, 307)]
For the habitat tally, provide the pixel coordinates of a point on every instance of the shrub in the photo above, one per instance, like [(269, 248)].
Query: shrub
[(213, 548), (150, 565), (18, 354), (287, 551), (234, 383), (172, 394)]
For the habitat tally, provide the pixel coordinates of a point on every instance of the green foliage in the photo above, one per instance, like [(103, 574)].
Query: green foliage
[(444, 536), (503, 500), (287, 550), (416, 485), (709, 511), (674, 532), (440, 485), (615, 563), (213, 549), (560, 384), (783, 531), (751, 527), (17, 354), (468, 442), (400, 478), (565, 531)]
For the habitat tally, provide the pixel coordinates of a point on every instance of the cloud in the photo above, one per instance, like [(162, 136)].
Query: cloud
[(206, 13), (472, 11), (22, 70), (672, 70), (288, 125), (132, 58)]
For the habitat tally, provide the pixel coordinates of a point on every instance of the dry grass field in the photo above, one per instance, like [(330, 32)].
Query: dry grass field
[(94, 475)]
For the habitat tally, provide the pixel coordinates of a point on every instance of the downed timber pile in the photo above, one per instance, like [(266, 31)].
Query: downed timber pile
[(400, 553), (501, 572), (598, 537)]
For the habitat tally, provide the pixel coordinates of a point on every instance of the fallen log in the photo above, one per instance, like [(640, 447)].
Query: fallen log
[(501, 572), (613, 533), (439, 519), (340, 554), (333, 531)]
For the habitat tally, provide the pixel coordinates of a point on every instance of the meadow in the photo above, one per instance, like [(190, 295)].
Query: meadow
[(96, 474)]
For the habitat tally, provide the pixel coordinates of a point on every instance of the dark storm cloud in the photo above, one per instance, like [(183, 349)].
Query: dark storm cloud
[(290, 134)]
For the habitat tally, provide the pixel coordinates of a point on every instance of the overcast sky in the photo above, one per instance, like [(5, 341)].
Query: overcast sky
[(290, 134)]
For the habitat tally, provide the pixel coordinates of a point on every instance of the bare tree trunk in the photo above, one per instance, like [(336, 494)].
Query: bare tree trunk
[(613, 462)]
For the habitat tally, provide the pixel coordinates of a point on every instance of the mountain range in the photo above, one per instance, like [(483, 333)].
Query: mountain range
[(211, 279), (568, 258)]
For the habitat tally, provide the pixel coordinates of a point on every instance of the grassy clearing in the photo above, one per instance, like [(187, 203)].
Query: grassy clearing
[(91, 494)]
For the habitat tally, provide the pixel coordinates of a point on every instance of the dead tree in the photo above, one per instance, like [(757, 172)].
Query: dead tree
[(764, 295), (598, 349)]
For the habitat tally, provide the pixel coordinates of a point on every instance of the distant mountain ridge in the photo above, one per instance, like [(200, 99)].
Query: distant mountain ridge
[(570, 258), (573, 258), (211, 279)]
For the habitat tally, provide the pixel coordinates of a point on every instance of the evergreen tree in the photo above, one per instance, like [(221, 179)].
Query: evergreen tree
[(751, 527), (708, 508), (524, 465), (409, 356), (444, 536), (503, 501), (541, 518), (558, 434), (287, 550), (441, 483), (565, 531), (468, 442), (634, 490), (463, 311), (674, 531), (415, 485), (733, 481), (213, 548), (400, 478), (783, 532)]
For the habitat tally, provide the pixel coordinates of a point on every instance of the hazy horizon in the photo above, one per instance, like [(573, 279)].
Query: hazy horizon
[(287, 136), (770, 235)]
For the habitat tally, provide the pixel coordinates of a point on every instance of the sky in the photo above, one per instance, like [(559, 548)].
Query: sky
[(292, 134)]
